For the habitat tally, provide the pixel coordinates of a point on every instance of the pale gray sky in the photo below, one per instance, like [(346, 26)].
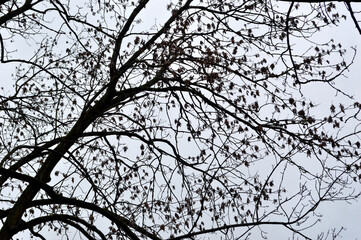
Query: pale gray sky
[(335, 215)]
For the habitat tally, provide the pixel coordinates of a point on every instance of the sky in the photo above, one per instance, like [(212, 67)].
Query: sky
[(339, 214), (335, 214)]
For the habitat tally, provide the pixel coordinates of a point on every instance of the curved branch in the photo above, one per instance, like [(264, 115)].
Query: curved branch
[(68, 219), (57, 198)]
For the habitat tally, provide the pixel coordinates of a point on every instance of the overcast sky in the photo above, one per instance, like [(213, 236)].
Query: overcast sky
[(337, 214)]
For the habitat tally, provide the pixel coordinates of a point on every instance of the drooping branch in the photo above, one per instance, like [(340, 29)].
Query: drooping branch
[(57, 198)]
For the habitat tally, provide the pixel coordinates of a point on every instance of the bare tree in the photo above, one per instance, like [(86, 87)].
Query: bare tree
[(114, 128), (329, 6)]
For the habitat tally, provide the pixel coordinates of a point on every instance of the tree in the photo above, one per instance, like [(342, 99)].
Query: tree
[(194, 123), (347, 4)]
